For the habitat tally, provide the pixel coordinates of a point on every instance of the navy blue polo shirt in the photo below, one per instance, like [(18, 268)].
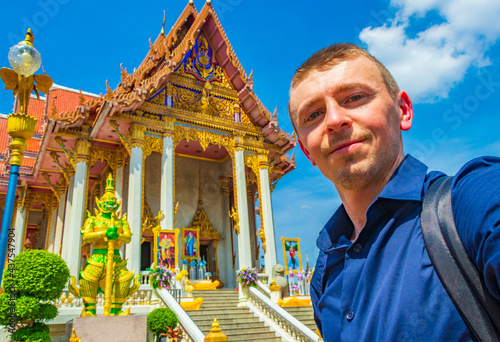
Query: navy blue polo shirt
[(383, 287)]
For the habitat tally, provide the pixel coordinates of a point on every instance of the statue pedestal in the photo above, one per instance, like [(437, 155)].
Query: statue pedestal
[(110, 329)]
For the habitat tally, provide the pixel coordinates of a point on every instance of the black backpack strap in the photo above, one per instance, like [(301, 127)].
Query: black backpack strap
[(463, 283)]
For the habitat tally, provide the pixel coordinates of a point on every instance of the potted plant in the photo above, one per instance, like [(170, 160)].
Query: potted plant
[(295, 289), (161, 321), (33, 281)]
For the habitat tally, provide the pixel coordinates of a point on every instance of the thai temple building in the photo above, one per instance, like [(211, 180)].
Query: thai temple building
[(184, 134), (193, 152)]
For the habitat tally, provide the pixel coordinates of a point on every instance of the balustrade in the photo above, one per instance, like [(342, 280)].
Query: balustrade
[(280, 318)]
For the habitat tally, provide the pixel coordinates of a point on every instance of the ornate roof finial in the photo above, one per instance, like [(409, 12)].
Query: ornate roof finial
[(275, 113), (250, 79), (209, 2), (191, 2), (53, 109), (109, 92), (293, 156), (81, 98), (163, 25)]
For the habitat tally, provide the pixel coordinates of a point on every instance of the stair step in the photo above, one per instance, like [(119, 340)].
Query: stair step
[(254, 337), (232, 326), (238, 324)]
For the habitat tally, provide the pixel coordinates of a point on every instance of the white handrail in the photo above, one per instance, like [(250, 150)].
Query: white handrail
[(299, 326), (264, 288), (187, 323)]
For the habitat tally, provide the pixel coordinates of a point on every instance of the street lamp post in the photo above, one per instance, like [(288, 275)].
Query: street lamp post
[(25, 60)]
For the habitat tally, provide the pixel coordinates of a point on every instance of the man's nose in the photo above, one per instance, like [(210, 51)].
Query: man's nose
[(336, 117)]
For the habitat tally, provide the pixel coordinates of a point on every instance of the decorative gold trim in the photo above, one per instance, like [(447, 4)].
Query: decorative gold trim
[(253, 162), (40, 187), (205, 138), (108, 141), (219, 161)]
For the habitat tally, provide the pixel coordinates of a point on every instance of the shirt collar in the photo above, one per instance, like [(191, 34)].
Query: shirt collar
[(406, 183)]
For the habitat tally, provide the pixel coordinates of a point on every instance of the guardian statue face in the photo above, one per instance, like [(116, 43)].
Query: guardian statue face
[(108, 202)]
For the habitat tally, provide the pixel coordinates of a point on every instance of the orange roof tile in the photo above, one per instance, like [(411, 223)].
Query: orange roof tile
[(33, 145), (36, 108), (66, 100), (28, 162)]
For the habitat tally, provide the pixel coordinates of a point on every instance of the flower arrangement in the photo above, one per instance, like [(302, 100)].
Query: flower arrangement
[(300, 275), (247, 277), (161, 277), (295, 287), (291, 273)]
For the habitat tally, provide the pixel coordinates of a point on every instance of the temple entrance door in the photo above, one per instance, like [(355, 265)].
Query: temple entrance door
[(207, 251)]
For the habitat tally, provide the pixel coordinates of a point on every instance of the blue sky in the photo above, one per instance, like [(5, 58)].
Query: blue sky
[(444, 53)]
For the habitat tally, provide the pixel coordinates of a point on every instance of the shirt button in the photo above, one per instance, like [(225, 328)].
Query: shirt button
[(349, 316), (357, 248)]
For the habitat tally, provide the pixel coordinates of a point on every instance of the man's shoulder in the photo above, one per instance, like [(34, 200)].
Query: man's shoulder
[(476, 202), (477, 180)]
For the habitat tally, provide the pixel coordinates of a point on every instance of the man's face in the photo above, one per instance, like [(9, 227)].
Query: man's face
[(348, 124)]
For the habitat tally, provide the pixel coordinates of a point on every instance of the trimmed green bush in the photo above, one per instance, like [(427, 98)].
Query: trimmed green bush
[(34, 279), (160, 319), (39, 332)]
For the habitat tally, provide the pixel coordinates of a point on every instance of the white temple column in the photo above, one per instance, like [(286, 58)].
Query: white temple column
[(252, 226), (67, 219), (76, 220), (57, 243), (119, 184), (266, 216), (19, 226), (167, 178), (134, 205), (52, 228), (244, 251)]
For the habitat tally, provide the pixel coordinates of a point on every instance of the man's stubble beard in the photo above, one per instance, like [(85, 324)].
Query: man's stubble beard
[(358, 171)]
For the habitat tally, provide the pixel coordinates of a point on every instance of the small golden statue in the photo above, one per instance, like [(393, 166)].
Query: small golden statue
[(105, 270)]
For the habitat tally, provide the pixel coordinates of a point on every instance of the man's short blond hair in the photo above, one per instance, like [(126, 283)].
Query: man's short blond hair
[(330, 56)]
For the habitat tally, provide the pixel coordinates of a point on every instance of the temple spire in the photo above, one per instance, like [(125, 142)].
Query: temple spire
[(163, 25)]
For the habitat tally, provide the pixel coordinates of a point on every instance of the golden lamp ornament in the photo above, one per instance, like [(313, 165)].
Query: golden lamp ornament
[(25, 60)]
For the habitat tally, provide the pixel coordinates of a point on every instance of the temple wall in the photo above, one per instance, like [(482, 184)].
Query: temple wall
[(152, 180)]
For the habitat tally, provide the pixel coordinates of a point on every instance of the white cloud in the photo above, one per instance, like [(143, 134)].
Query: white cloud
[(428, 63)]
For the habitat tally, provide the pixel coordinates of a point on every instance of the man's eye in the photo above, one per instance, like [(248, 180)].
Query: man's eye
[(355, 98), (313, 116)]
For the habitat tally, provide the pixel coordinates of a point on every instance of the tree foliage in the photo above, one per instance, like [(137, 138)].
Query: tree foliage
[(159, 320), (33, 280)]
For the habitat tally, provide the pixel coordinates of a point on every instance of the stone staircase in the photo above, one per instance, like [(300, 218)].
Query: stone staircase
[(238, 324), (305, 315)]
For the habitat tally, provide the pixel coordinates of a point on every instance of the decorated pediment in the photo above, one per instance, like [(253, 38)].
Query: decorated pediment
[(201, 63)]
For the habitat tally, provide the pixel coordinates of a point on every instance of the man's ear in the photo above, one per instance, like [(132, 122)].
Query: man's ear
[(405, 110), (306, 152)]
